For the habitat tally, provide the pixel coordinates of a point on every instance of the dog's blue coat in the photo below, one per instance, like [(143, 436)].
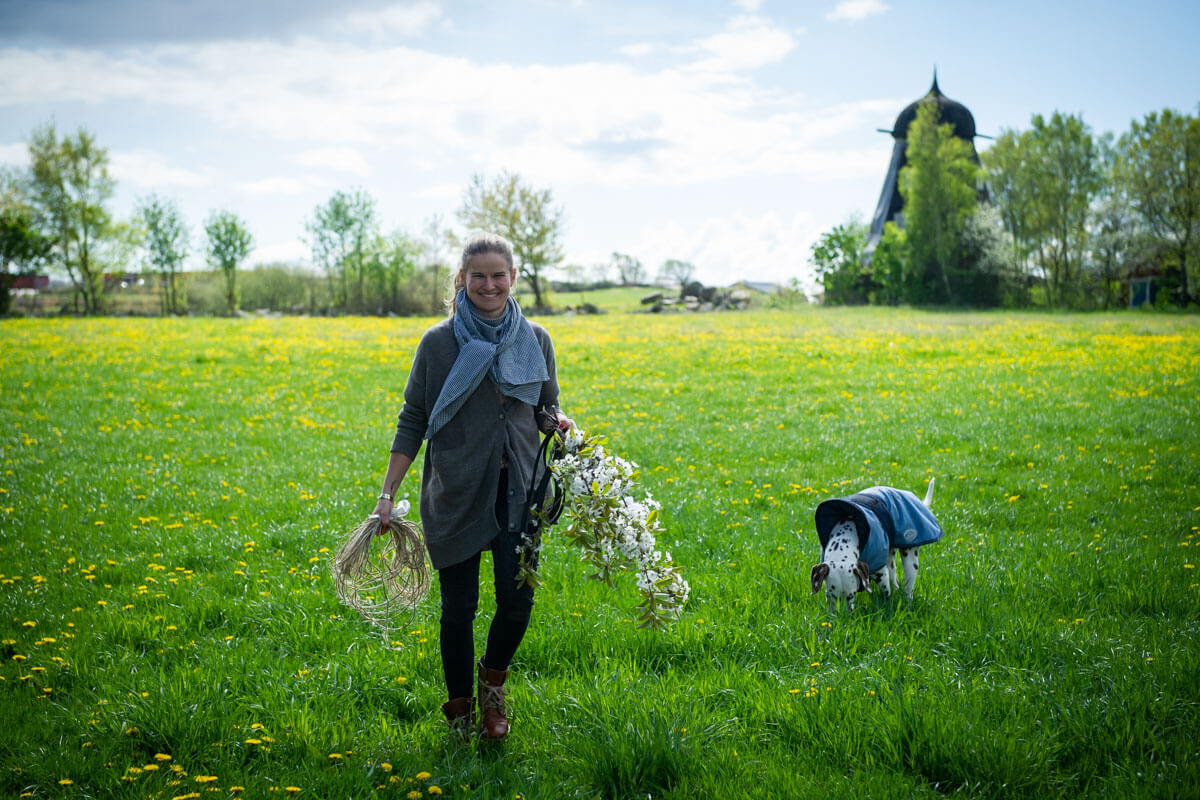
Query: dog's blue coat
[(885, 518)]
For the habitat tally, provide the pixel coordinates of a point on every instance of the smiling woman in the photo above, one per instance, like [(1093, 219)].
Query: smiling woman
[(482, 385)]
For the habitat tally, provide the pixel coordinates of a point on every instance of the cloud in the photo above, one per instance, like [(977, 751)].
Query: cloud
[(748, 5), (278, 185), (336, 159), (282, 252), (761, 248), (401, 19), (151, 169), (747, 43), (856, 10), (123, 22), (15, 154), (350, 105), (637, 49)]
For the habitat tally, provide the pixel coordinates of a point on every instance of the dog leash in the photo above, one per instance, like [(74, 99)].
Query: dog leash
[(535, 496)]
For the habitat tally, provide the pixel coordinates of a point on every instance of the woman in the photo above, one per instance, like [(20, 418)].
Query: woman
[(482, 386)]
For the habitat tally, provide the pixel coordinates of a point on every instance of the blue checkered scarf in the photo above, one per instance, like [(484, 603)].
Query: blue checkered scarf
[(504, 348)]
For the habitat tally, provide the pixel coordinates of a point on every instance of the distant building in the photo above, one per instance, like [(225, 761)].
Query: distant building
[(891, 205)]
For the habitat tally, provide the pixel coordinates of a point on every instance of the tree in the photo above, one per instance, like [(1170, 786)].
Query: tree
[(166, 244), (71, 186), (1011, 182), (229, 241), (837, 259), (1067, 178), (1044, 181), (23, 248), (939, 190), (888, 265), (677, 271), (393, 261), (630, 271), (436, 244), (525, 216), (341, 231), (1159, 164)]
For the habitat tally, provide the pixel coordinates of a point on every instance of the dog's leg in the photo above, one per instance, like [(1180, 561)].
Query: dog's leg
[(908, 557)]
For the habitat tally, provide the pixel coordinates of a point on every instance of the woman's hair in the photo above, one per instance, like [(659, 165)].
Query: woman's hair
[(478, 244), (482, 243)]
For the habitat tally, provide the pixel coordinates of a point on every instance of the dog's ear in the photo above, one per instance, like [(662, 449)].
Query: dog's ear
[(819, 573), (864, 577)]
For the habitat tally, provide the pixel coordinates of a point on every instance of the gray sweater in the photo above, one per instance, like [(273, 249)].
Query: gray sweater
[(462, 460)]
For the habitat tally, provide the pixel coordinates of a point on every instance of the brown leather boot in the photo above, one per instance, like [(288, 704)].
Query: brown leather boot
[(460, 714), (492, 711)]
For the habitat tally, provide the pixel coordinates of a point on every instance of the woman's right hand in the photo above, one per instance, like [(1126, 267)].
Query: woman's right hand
[(383, 510)]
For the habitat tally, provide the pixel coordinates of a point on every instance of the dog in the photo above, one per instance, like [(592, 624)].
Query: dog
[(860, 537)]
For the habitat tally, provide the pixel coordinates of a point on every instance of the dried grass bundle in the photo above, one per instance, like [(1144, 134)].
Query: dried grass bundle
[(383, 582)]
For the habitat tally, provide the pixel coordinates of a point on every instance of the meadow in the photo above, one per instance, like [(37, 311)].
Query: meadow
[(171, 491)]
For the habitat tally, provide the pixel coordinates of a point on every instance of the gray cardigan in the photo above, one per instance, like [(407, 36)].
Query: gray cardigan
[(462, 460)]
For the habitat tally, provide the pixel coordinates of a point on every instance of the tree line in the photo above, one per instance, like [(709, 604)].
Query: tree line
[(56, 216), (1051, 216)]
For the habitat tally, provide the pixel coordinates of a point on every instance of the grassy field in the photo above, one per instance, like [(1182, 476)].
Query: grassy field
[(170, 491)]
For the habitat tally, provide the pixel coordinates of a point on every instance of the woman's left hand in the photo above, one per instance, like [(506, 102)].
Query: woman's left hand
[(565, 423)]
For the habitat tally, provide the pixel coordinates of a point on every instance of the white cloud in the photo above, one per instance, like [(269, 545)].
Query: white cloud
[(726, 249), (16, 154), (403, 19), (606, 122), (856, 10), (748, 5), (637, 49), (288, 252), (747, 43), (278, 185), (151, 169), (337, 159)]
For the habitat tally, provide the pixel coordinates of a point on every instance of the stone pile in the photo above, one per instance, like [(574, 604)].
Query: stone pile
[(695, 296)]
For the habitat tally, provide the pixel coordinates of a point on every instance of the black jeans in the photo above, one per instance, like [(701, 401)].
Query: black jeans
[(459, 585)]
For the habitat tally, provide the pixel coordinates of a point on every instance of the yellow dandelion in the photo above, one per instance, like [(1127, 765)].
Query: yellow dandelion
[(291, 789), (161, 757), (423, 776), (434, 789), (66, 782)]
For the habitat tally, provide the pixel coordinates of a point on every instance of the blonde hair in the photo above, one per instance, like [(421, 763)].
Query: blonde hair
[(478, 244)]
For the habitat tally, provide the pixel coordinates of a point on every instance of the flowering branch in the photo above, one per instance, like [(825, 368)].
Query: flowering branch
[(615, 530)]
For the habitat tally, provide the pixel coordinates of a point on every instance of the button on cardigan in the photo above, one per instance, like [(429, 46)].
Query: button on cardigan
[(461, 470)]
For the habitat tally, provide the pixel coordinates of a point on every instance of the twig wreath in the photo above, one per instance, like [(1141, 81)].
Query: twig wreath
[(384, 583), (615, 530)]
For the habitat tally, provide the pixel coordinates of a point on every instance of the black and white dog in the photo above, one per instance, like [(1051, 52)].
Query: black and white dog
[(860, 536)]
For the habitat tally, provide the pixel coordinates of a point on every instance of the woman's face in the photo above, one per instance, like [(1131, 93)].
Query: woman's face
[(489, 281)]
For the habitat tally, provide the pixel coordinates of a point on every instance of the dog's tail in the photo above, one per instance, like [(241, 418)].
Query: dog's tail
[(929, 494)]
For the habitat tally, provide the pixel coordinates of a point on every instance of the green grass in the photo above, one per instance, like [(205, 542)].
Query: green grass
[(169, 491)]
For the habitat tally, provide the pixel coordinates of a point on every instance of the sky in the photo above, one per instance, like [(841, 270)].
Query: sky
[(729, 134)]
